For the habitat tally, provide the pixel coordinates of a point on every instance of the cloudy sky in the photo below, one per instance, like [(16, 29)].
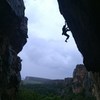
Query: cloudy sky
[(46, 53)]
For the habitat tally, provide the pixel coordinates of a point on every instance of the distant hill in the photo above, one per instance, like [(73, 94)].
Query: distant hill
[(35, 80), (38, 80)]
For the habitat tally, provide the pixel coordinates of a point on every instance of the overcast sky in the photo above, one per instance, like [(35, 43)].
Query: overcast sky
[(46, 53)]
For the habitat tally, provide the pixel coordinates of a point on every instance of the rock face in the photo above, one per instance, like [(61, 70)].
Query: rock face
[(13, 36), (83, 19), (81, 80), (79, 75), (80, 84)]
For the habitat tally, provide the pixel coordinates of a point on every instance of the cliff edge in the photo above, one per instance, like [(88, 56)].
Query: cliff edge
[(83, 19), (13, 36)]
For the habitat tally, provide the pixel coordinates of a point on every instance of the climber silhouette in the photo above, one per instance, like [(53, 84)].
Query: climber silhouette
[(64, 31)]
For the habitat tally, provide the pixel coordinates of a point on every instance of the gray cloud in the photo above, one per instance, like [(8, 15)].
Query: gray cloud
[(46, 54), (49, 58)]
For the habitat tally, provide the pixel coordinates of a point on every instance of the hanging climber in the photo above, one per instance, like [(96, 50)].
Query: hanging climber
[(64, 31)]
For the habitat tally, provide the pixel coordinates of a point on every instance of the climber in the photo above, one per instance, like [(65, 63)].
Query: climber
[(64, 31)]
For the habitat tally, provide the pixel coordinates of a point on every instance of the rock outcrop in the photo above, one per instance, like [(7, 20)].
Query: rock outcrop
[(79, 75), (83, 19), (81, 80), (13, 36), (80, 84)]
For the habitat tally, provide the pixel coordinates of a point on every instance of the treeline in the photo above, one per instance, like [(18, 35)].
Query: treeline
[(50, 92)]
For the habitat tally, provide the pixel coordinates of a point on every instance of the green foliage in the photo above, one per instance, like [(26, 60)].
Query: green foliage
[(25, 94), (29, 94), (49, 92)]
